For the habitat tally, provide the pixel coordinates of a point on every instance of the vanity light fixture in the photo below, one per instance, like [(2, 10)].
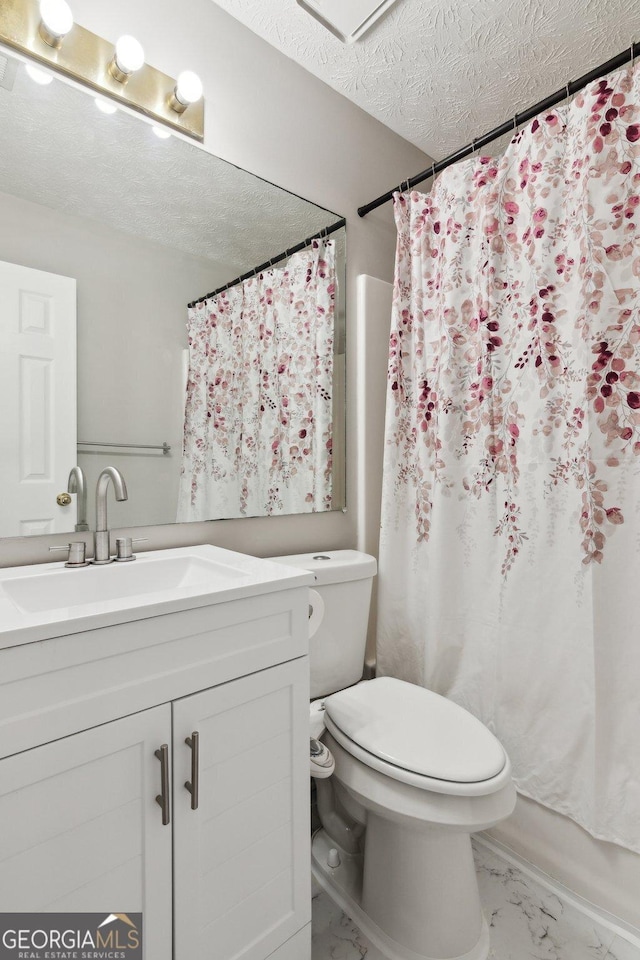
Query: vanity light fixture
[(44, 32), (187, 90), (37, 75), (127, 59), (56, 20)]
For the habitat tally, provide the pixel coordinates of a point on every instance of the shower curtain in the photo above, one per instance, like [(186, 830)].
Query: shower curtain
[(510, 542), (258, 429)]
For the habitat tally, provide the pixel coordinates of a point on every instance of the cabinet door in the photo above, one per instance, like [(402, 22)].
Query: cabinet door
[(241, 859), (80, 829)]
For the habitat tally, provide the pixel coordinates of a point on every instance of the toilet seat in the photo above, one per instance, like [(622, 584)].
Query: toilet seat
[(415, 736)]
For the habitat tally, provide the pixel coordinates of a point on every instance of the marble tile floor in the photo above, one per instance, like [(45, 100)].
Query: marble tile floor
[(527, 922)]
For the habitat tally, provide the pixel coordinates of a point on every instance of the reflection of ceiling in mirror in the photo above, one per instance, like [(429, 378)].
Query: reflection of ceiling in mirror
[(58, 150)]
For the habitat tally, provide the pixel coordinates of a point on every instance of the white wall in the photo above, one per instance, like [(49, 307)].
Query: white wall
[(373, 324), (268, 115)]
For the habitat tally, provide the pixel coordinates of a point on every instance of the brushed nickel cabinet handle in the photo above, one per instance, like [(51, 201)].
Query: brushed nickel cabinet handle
[(193, 785), (163, 797)]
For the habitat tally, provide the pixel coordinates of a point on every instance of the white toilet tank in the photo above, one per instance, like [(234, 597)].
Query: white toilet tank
[(343, 580)]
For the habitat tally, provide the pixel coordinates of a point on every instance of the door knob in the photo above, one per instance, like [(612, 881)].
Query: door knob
[(63, 499)]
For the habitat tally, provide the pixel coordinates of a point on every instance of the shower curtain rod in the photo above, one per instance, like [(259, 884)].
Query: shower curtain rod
[(627, 56), (325, 232)]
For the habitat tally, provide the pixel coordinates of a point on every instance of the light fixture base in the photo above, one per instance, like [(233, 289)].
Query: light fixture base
[(86, 58), (119, 75), (51, 39), (176, 105)]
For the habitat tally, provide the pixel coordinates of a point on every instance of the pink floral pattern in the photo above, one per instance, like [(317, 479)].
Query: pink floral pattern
[(258, 430), (516, 322), (511, 495)]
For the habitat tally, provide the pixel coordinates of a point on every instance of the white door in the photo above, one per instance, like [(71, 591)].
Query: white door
[(81, 831), (241, 859), (37, 399)]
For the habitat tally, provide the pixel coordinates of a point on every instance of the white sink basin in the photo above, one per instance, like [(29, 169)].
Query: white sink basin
[(37, 602), (119, 581)]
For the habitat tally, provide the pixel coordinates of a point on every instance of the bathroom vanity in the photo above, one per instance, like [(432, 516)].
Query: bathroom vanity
[(153, 745)]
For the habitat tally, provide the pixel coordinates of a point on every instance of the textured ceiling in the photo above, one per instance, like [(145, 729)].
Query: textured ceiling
[(440, 72), (58, 150)]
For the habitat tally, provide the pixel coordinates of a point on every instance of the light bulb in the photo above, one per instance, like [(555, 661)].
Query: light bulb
[(56, 21), (39, 76), (105, 106), (128, 58), (129, 54), (188, 87), (161, 133)]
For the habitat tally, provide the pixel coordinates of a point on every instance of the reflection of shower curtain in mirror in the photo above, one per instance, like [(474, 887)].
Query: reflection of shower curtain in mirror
[(258, 430), (511, 509)]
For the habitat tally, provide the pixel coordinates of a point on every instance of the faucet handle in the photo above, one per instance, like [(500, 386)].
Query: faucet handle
[(124, 547), (76, 553)]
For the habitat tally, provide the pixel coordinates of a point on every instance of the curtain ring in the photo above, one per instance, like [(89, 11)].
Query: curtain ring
[(433, 172), (403, 189), (633, 55)]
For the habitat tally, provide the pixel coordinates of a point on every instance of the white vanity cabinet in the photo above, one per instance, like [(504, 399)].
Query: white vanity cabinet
[(212, 700), (241, 858), (80, 830)]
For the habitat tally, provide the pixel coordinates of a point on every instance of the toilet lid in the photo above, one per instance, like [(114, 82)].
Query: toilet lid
[(416, 730)]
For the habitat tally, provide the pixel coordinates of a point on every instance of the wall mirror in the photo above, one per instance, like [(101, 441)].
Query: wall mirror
[(108, 234)]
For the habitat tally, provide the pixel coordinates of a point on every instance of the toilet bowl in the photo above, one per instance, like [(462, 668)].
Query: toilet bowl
[(415, 775)]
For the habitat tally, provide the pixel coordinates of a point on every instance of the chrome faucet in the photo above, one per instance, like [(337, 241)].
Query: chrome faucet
[(78, 484), (101, 553)]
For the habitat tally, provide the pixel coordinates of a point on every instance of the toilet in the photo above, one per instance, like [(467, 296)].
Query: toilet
[(415, 775)]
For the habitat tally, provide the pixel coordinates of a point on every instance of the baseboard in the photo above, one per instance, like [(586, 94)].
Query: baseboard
[(603, 917)]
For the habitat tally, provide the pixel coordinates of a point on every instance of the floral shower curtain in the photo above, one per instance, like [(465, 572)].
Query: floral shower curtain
[(258, 429), (510, 544)]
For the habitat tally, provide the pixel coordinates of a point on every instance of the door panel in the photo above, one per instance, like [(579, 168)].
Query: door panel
[(37, 399), (80, 829), (242, 858)]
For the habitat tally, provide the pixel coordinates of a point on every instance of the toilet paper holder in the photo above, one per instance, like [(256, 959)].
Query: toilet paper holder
[(316, 611)]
